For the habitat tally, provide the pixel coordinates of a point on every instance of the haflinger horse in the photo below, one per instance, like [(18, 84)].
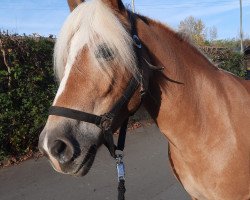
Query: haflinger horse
[(202, 110)]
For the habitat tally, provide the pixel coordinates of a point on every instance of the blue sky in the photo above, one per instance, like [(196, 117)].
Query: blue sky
[(47, 16)]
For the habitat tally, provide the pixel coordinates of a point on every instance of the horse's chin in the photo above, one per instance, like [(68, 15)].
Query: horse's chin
[(87, 162), (84, 169)]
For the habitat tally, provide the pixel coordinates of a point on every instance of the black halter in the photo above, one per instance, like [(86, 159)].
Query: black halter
[(105, 121)]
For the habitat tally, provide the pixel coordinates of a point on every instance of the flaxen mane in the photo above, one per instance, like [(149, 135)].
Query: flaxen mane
[(92, 24)]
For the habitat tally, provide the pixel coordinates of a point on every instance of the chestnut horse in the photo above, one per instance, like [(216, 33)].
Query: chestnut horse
[(202, 110)]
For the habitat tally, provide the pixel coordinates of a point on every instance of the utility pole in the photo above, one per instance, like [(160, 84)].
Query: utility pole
[(241, 31), (133, 6)]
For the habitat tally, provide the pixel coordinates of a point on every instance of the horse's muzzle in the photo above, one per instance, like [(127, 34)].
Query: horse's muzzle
[(61, 150), (68, 154)]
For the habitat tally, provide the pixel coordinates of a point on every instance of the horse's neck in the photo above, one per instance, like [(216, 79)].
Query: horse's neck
[(176, 107)]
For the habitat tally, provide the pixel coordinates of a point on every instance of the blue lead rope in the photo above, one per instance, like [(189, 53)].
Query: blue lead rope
[(119, 160), (121, 177), (120, 168)]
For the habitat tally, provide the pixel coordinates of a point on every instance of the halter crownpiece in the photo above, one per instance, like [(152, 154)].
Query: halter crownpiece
[(137, 41)]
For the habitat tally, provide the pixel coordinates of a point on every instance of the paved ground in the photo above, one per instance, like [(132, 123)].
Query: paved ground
[(148, 175)]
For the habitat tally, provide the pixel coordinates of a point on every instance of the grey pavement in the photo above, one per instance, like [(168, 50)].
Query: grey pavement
[(148, 175)]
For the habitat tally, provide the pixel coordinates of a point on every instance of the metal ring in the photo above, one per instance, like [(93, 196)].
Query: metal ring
[(137, 41), (106, 122), (119, 154)]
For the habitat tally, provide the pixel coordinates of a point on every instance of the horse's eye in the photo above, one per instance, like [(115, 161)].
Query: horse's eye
[(103, 51)]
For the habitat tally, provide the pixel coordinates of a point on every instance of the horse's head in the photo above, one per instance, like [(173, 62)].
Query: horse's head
[(94, 63)]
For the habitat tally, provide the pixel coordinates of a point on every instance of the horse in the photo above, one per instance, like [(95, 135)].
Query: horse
[(202, 110)]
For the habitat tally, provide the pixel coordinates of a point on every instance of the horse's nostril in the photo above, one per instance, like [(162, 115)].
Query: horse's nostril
[(62, 151), (59, 147)]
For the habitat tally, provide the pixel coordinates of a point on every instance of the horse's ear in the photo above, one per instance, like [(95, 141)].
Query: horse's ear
[(115, 4), (74, 3)]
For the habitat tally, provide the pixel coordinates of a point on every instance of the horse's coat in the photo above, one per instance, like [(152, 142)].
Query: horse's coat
[(206, 118)]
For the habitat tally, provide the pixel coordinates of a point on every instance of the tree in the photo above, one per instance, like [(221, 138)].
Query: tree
[(213, 33), (194, 28)]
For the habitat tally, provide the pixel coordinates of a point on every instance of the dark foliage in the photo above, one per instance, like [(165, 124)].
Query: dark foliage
[(227, 59), (27, 88), (234, 63)]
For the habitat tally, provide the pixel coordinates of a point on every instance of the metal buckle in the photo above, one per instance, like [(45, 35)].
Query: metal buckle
[(137, 41), (106, 122), (120, 167)]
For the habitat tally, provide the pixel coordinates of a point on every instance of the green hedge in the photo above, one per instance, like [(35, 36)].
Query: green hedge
[(234, 62), (227, 59), (27, 89)]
